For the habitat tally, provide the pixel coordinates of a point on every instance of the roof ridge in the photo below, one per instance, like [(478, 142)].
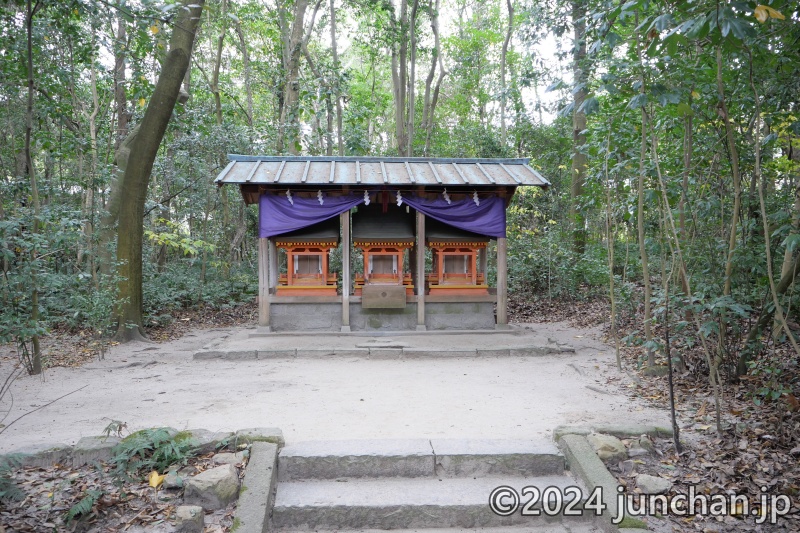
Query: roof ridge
[(378, 159)]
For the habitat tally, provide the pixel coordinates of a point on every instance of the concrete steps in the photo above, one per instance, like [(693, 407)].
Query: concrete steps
[(577, 527), (402, 484)]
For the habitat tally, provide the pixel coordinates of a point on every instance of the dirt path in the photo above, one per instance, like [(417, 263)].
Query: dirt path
[(148, 385)]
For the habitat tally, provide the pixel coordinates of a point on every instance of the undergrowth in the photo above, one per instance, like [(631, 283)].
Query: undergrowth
[(150, 449)]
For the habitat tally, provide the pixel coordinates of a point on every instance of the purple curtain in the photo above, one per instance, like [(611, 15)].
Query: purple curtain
[(488, 218), (277, 215)]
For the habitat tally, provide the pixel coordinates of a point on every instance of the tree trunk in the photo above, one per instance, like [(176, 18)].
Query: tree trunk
[(120, 97), (722, 109), (579, 159), (247, 75), (787, 278), (399, 75), (218, 63), (136, 179), (688, 144), (88, 227), (792, 155), (737, 187), (109, 218), (503, 88), (611, 240), (336, 88), (412, 79), (35, 363), (426, 101), (437, 50), (648, 333), (290, 119)]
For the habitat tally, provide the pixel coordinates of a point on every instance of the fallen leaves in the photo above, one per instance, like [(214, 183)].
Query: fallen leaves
[(52, 492), (155, 479), (74, 348)]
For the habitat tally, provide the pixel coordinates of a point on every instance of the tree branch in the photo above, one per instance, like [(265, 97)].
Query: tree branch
[(3, 429)]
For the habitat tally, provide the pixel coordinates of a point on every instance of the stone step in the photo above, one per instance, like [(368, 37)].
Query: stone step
[(413, 458), (569, 527), (403, 503)]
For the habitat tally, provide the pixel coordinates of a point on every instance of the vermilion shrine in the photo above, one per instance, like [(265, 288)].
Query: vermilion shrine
[(369, 243)]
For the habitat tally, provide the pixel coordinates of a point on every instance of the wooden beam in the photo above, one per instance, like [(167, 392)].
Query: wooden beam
[(383, 172), (224, 173), (435, 173), (305, 172), (333, 170), (513, 176), (252, 172), (410, 174), (541, 178), (486, 174), (280, 171), (463, 177)]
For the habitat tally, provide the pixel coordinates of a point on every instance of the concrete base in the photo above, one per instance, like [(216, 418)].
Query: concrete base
[(587, 466), (346, 329), (327, 316), (258, 489)]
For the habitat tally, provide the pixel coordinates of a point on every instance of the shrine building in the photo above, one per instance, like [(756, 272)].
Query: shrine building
[(380, 243)]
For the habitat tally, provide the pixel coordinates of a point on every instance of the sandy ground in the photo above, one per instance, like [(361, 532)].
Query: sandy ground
[(330, 398)]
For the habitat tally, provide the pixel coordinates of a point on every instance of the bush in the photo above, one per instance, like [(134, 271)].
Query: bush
[(541, 263), (180, 286)]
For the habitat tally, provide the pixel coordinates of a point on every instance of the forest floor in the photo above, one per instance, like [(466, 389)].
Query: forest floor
[(756, 448)]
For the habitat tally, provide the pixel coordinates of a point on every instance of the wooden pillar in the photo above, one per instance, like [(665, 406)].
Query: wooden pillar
[(483, 259), (502, 284), (420, 271), (344, 220), (263, 284), (273, 266)]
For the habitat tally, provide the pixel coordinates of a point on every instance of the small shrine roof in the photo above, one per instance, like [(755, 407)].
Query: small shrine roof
[(334, 172)]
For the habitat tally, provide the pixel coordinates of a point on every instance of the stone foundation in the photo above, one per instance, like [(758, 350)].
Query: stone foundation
[(327, 316)]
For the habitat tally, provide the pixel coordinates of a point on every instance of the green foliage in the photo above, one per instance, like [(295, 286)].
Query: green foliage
[(180, 285), (769, 373), (150, 449), (177, 239), (84, 507), (540, 262)]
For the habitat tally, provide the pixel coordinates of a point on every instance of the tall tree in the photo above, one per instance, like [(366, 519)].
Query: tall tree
[(35, 363), (337, 92), (136, 179), (295, 36), (579, 158), (503, 61)]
